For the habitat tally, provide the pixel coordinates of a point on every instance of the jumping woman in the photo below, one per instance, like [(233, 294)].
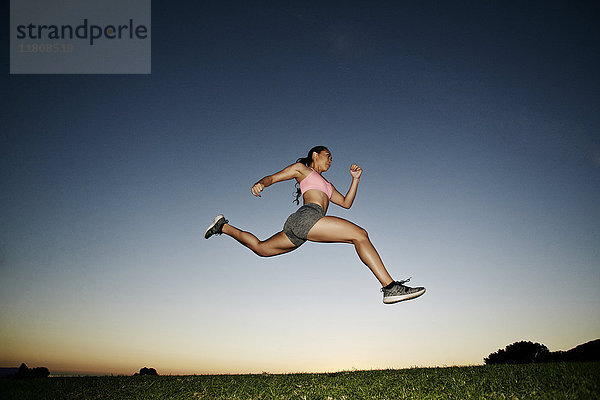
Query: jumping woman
[(310, 222)]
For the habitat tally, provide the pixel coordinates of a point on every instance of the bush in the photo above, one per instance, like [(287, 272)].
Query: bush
[(146, 371), (24, 372), (519, 353)]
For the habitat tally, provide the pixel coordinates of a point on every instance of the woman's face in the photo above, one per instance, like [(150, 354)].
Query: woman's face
[(322, 160)]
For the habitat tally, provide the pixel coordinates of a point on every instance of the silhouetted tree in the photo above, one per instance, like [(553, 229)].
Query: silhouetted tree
[(589, 351), (40, 372), (519, 353), (24, 372), (146, 371), (522, 352)]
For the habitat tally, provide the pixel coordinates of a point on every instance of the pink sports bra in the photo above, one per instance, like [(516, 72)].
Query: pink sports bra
[(316, 181)]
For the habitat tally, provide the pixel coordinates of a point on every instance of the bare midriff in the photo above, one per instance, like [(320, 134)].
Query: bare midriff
[(317, 197)]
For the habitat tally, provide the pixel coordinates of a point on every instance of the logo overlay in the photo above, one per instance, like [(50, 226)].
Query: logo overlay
[(80, 37)]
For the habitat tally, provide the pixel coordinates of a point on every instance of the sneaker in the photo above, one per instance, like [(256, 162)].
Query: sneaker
[(400, 292), (216, 227)]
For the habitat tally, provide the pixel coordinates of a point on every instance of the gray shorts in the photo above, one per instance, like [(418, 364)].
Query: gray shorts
[(298, 224)]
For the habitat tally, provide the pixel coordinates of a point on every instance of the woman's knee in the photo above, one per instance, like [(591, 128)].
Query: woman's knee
[(360, 234), (261, 250), (269, 249)]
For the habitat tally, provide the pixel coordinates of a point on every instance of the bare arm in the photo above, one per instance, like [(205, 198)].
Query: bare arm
[(290, 172), (347, 200)]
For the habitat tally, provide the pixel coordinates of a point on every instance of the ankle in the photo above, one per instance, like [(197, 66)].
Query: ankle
[(390, 285), (225, 228)]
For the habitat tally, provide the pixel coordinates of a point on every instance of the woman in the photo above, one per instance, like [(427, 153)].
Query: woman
[(310, 222)]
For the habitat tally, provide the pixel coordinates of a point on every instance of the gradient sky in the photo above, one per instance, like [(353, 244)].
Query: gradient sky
[(477, 126)]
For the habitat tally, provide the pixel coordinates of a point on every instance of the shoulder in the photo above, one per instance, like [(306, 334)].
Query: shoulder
[(296, 170), (301, 170)]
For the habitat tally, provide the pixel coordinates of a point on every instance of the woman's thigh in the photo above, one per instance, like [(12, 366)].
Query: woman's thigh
[(277, 244), (334, 229)]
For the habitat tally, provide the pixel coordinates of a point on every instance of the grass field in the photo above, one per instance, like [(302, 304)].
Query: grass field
[(528, 381)]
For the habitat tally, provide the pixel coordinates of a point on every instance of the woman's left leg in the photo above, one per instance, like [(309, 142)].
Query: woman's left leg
[(277, 244), (339, 230)]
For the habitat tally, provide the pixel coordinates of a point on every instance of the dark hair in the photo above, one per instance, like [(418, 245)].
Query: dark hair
[(307, 161)]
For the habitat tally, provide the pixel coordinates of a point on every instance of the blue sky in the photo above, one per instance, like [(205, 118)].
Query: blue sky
[(476, 126)]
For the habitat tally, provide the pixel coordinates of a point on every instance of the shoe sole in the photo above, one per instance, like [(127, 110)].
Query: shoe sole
[(397, 299), (217, 218)]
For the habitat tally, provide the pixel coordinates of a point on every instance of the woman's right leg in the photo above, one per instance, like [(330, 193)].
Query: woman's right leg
[(334, 229), (277, 244)]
